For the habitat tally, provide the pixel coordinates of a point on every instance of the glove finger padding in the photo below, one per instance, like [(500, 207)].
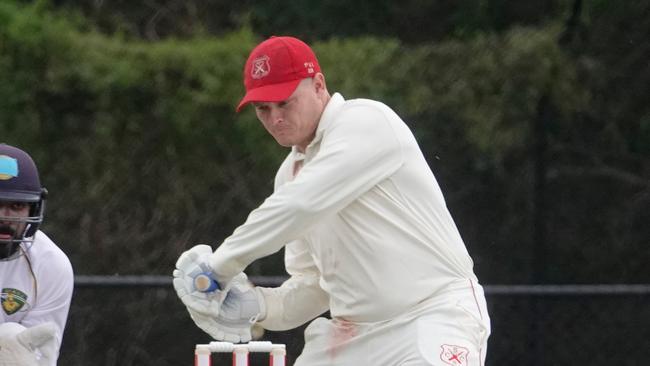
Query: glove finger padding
[(189, 265), (219, 331)]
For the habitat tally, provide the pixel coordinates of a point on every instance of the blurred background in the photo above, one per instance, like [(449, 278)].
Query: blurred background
[(534, 117)]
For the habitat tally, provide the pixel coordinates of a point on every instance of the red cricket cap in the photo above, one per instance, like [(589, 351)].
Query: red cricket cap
[(275, 68)]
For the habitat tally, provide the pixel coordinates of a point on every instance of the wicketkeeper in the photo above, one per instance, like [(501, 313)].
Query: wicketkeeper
[(36, 277), (365, 227)]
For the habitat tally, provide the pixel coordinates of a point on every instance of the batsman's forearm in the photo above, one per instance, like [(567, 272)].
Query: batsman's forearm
[(268, 228), (297, 301)]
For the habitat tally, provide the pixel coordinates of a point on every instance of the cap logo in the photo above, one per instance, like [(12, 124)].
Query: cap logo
[(8, 167), (260, 67), (309, 66)]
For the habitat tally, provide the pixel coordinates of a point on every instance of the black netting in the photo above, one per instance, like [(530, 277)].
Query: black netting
[(527, 329)]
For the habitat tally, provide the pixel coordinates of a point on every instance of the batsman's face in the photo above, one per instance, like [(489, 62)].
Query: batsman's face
[(11, 224), (293, 122)]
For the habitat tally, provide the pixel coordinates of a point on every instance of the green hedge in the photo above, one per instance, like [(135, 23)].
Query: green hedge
[(143, 153)]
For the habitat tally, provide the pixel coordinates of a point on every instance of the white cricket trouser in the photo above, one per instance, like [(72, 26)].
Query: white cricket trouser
[(451, 329)]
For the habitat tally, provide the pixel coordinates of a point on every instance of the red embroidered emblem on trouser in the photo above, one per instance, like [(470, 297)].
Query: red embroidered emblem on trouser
[(454, 355)]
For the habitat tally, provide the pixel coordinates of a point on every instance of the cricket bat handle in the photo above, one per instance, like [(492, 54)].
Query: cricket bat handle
[(203, 282)]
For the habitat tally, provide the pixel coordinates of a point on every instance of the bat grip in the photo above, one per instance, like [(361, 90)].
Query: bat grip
[(203, 282)]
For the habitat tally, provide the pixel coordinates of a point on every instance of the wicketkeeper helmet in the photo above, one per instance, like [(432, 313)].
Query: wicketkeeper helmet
[(19, 182)]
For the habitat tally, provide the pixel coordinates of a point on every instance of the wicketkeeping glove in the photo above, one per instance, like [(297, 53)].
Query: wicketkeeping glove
[(20, 346)]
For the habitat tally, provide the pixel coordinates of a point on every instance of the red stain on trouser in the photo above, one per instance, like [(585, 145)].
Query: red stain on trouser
[(342, 332)]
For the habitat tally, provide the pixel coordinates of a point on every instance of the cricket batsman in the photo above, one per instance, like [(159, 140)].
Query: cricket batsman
[(365, 228)]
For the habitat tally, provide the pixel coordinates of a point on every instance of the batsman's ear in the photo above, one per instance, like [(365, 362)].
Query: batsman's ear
[(319, 80)]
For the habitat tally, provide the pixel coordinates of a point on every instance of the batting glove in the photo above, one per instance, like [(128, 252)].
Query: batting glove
[(190, 264), (242, 307)]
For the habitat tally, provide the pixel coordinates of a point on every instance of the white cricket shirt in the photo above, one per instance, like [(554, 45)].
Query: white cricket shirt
[(369, 231), (40, 294)]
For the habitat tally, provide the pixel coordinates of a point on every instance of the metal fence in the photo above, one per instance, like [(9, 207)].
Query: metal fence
[(137, 320)]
